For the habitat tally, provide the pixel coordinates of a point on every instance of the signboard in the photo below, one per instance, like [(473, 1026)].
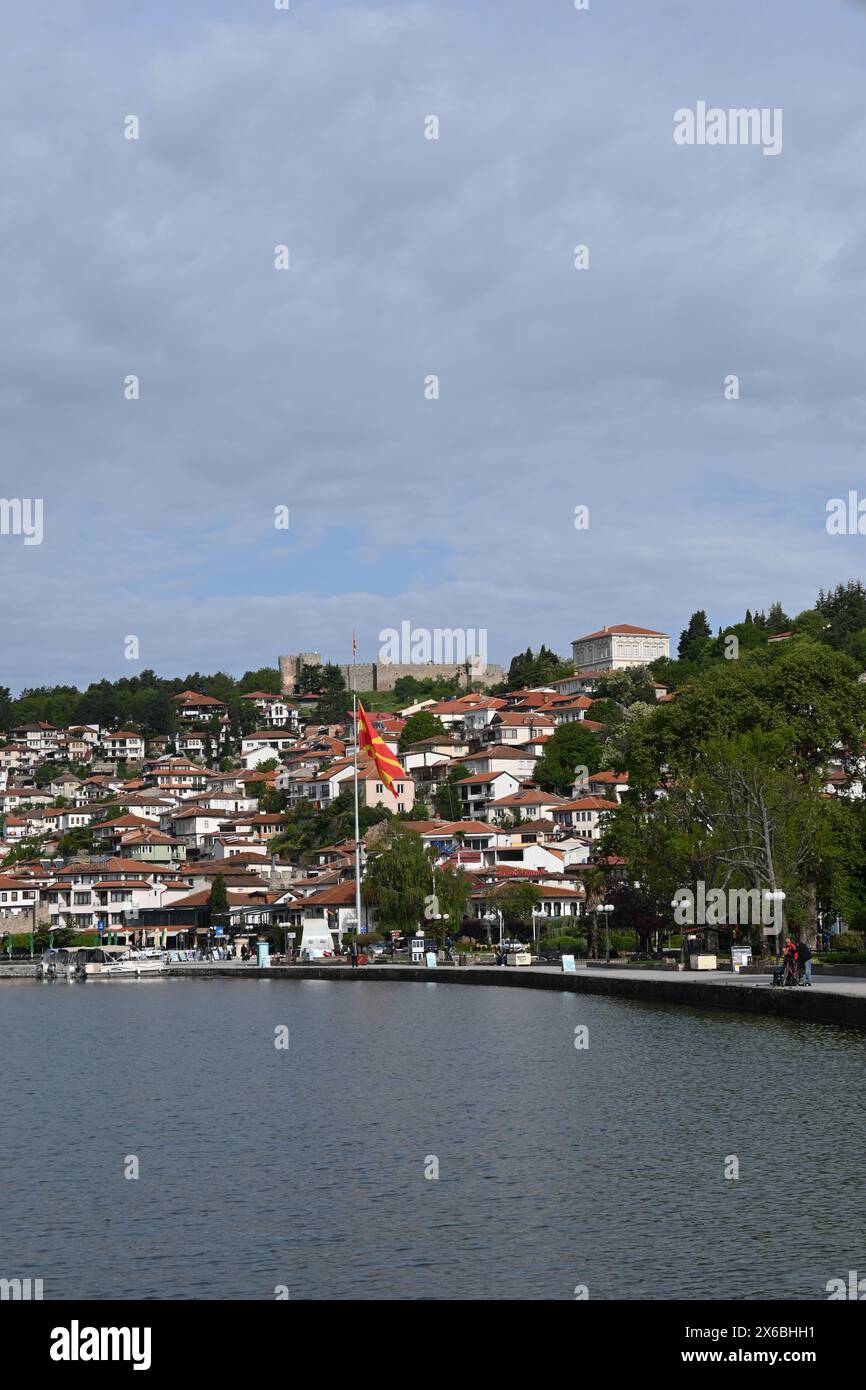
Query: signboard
[(218, 931), (431, 959), (568, 965)]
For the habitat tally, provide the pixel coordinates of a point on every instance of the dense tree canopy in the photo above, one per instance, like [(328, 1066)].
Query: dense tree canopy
[(419, 726), (144, 701), (571, 746)]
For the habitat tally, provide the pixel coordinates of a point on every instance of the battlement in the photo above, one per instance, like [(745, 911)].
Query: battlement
[(383, 675)]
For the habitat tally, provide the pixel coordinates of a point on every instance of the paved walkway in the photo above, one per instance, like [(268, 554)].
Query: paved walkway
[(698, 977), (694, 978)]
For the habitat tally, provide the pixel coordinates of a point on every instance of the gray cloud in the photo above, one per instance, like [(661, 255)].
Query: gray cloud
[(409, 257)]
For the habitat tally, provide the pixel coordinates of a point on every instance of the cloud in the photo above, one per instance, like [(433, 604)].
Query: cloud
[(411, 257)]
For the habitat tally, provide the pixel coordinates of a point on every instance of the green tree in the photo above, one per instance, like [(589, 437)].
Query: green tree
[(75, 842), (695, 636), (446, 799), (218, 899), (777, 618), (33, 848), (516, 900), (571, 746), (419, 726), (266, 678), (844, 612), (450, 894), (398, 879), (802, 690)]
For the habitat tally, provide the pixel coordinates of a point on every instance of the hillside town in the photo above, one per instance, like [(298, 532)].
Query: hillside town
[(131, 834), (228, 831)]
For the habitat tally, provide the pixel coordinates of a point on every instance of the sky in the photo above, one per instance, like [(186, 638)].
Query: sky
[(409, 257)]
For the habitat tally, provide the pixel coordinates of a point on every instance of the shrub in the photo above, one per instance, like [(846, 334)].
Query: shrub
[(568, 945), (847, 941)]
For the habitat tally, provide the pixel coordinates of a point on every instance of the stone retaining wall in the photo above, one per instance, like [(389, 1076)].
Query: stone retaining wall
[(803, 1005)]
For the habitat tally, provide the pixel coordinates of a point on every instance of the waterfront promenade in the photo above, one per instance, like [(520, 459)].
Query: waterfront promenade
[(831, 999)]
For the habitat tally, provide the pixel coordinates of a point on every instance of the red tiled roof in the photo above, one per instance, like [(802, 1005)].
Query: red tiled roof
[(626, 629)]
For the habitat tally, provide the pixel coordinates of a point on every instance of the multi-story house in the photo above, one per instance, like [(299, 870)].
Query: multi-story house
[(584, 814), (41, 737), (177, 776), (498, 758), (478, 791), (274, 709), (97, 895), (529, 803), (192, 706), (511, 727), (616, 648), (124, 746), (18, 898), (265, 744)]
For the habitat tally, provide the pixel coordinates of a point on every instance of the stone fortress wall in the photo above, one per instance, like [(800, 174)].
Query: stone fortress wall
[(382, 675)]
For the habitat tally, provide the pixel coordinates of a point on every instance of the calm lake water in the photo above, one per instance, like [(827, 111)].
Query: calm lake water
[(306, 1168)]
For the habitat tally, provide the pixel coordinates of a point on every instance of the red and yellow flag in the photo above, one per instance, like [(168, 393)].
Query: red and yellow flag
[(387, 765)]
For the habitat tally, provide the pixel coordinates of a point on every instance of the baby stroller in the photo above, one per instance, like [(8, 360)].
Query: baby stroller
[(790, 972)]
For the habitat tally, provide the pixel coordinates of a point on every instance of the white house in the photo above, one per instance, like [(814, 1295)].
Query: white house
[(17, 897), (478, 791), (513, 727), (274, 709), (520, 761), (124, 745), (616, 648), (584, 814), (265, 744)]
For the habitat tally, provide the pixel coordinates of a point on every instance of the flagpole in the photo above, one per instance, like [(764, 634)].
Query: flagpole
[(357, 822)]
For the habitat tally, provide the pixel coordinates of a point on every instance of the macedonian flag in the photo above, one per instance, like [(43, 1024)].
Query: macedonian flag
[(387, 765)]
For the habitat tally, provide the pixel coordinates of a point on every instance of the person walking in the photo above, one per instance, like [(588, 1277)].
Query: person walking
[(804, 960)]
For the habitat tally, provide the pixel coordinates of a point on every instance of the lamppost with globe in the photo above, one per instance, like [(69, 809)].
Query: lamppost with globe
[(607, 909)]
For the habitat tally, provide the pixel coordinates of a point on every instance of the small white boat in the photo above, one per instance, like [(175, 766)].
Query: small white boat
[(58, 962), (101, 960)]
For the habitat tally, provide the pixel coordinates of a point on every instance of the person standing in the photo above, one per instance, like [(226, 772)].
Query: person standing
[(804, 960)]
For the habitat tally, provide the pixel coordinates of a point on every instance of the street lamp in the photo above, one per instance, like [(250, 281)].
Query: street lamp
[(436, 916), (606, 908), (537, 914), (677, 902), (494, 915)]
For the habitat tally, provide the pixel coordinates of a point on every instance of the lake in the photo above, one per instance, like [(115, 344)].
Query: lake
[(261, 1167)]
